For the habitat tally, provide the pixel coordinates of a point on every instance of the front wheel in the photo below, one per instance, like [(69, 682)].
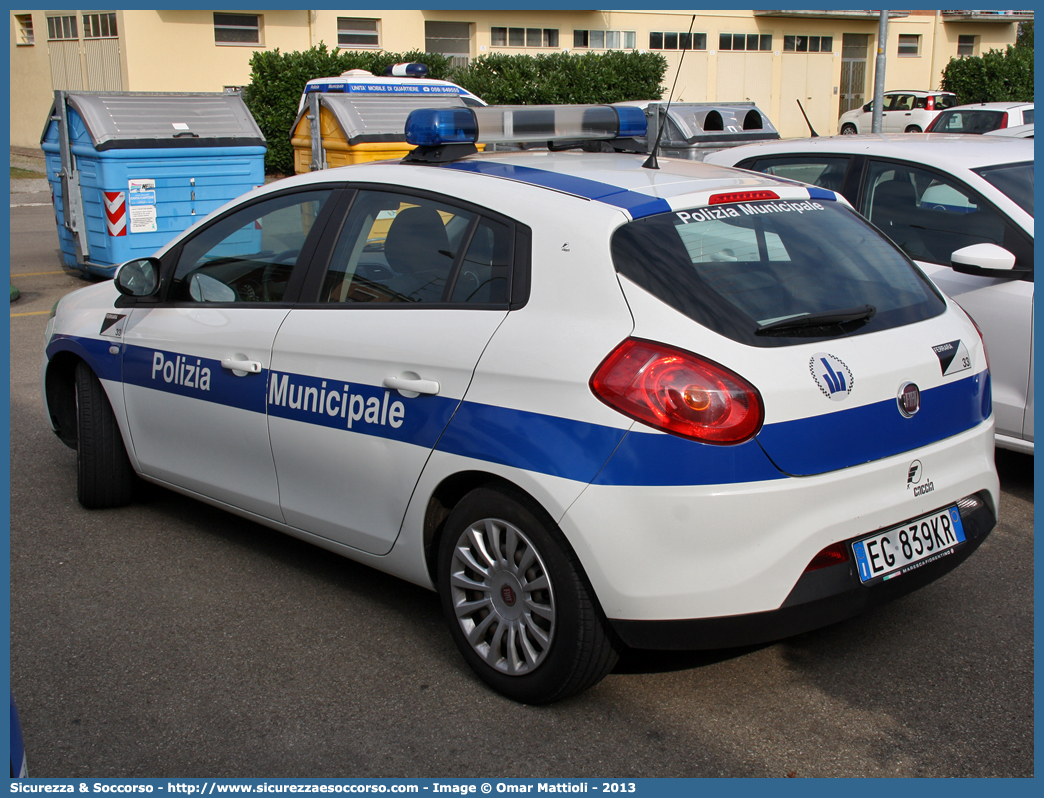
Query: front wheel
[(104, 476), (848, 130), (516, 602)]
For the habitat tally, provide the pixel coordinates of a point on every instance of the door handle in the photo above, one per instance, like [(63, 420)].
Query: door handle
[(248, 366), (414, 386)]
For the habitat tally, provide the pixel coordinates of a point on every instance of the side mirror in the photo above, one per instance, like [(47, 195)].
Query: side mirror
[(868, 108), (138, 278), (987, 260)]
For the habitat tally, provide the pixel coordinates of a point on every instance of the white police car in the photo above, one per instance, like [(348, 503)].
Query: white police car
[(591, 404)]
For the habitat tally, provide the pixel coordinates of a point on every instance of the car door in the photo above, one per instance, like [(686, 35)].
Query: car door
[(898, 113), (367, 375), (930, 215), (196, 363)]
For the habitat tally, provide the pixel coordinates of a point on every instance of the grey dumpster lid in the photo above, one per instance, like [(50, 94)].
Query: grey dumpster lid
[(377, 118), (710, 123), (133, 120)]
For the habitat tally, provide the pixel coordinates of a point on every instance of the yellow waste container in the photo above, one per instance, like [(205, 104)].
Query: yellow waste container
[(359, 128)]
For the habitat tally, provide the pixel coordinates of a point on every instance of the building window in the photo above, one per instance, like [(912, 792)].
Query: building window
[(25, 29), (808, 44), (745, 41), (966, 45), (352, 32), (605, 39), (237, 28), (61, 28), (99, 26), (909, 44), (448, 38), (666, 40)]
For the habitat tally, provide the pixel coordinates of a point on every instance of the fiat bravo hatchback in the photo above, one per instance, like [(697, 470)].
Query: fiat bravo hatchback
[(592, 401)]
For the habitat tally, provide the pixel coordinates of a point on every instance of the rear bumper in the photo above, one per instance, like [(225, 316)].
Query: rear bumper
[(819, 599)]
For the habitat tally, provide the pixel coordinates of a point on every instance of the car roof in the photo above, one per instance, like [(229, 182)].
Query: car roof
[(994, 106), (932, 149), (917, 91), (615, 179)]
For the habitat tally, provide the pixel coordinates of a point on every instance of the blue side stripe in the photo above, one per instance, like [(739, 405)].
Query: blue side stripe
[(818, 444), (94, 351), (552, 445), (546, 444), (636, 204)]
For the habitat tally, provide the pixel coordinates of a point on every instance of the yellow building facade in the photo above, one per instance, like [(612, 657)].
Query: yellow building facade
[(824, 59)]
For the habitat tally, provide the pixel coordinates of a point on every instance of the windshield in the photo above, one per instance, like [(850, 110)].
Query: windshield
[(1014, 180), (741, 268)]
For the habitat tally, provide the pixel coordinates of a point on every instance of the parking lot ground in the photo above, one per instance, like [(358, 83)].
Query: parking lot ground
[(170, 638)]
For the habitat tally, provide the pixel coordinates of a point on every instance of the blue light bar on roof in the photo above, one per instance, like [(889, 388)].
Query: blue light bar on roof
[(406, 70), (513, 124)]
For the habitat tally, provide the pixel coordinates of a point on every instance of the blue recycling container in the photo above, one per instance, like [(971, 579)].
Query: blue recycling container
[(150, 166)]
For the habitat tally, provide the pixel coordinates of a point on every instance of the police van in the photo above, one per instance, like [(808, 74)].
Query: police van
[(593, 399)]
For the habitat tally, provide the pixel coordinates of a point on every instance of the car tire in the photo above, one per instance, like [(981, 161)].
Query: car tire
[(912, 129), (104, 475), (517, 602), (848, 129)]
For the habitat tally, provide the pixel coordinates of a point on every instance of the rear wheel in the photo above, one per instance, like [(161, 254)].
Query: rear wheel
[(848, 130), (913, 129), (104, 476), (516, 602)]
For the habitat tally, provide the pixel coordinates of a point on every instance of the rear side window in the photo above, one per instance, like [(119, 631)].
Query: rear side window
[(737, 268)]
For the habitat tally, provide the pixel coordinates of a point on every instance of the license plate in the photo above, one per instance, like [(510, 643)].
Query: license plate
[(903, 548)]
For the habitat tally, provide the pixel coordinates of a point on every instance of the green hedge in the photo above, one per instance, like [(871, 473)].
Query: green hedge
[(992, 77), (277, 80), (557, 78)]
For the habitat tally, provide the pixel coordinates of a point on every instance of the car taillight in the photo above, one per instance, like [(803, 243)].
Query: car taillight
[(741, 196), (930, 105), (835, 554), (1004, 120), (678, 392)]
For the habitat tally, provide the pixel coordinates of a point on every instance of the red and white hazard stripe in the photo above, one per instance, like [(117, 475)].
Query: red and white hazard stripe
[(116, 212)]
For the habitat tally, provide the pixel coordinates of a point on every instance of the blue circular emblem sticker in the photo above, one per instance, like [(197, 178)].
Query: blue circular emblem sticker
[(832, 376)]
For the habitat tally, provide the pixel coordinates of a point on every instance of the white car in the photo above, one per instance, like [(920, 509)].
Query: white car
[(591, 403), (906, 111), (979, 118), (962, 207)]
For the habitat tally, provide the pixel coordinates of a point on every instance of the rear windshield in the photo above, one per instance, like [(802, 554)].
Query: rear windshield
[(976, 121), (1014, 180), (736, 269)]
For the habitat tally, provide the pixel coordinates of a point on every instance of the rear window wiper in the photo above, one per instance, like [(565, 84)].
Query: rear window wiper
[(822, 319)]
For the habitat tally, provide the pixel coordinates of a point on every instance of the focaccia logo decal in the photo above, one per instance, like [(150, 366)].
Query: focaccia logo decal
[(953, 357), (112, 326), (832, 376)]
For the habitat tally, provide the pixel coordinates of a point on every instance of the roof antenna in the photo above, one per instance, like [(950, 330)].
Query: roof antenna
[(811, 129), (650, 162)]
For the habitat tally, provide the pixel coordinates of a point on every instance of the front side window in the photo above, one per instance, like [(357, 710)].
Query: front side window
[(354, 32), (824, 171), (249, 255), (237, 28), (931, 215), (402, 249), (1014, 180), (741, 269)]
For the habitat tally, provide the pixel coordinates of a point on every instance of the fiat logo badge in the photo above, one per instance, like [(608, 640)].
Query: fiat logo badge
[(909, 399), (508, 595)]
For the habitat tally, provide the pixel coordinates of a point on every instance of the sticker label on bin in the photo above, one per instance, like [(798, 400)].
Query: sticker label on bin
[(142, 205)]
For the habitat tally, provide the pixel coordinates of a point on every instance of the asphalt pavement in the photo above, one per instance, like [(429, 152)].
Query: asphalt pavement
[(169, 638)]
